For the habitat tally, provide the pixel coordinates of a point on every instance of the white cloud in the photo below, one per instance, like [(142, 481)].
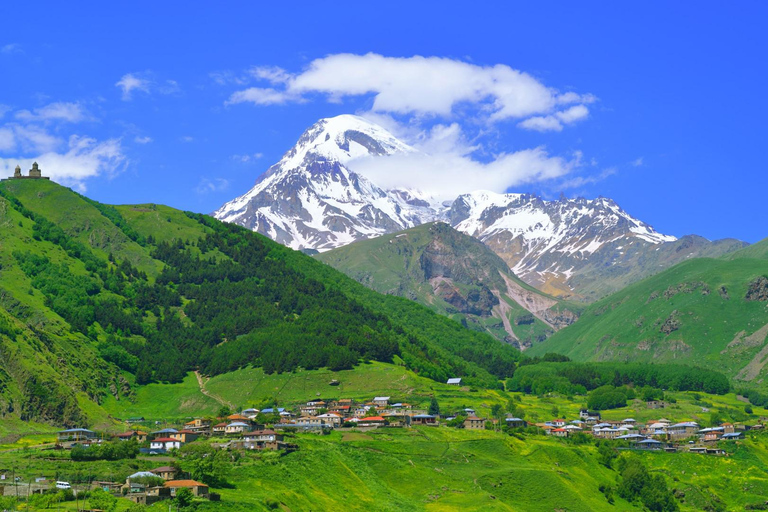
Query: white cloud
[(555, 121), (7, 139), (413, 85), (448, 174), (187, 139), (272, 74), (11, 48), (247, 158), (580, 181), (259, 96), (542, 124), (142, 140), (59, 111), (34, 139), (4, 109), (84, 158), (637, 162), (207, 186), (227, 77), (131, 82)]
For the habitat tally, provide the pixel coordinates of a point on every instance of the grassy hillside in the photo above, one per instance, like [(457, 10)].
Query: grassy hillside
[(430, 468), (456, 276), (708, 312), (97, 301)]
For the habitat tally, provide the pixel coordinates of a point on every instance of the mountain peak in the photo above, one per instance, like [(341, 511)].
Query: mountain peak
[(341, 139)]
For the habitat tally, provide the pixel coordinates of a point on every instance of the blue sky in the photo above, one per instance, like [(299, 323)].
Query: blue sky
[(659, 107)]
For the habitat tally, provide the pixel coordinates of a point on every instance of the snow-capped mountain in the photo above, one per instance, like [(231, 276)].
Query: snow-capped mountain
[(311, 200), (547, 242)]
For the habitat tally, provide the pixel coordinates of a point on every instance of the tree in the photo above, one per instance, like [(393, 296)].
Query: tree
[(434, 407), (184, 497), (223, 411), (102, 500)]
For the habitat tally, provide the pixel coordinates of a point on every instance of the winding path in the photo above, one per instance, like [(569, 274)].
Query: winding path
[(207, 393)]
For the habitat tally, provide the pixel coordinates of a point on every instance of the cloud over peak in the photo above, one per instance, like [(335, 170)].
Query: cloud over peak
[(417, 85)]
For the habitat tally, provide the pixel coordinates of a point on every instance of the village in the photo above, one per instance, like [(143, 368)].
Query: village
[(273, 428)]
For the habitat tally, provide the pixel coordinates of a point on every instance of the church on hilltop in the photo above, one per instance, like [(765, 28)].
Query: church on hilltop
[(34, 173)]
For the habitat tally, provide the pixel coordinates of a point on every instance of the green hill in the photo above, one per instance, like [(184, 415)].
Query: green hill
[(96, 300), (457, 276), (708, 312)]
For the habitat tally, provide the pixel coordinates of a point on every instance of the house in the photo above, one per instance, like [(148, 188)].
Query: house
[(683, 430), (728, 428), (166, 432), (424, 419), (272, 410), (331, 419), (198, 489), (474, 423), (263, 440), (372, 421), (558, 423), (606, 433), (185, 436), (152, 495), (250, 413), (649, 444), (455, 381), (656, 404), (137, 435), (586, 414), (165, 443), (559, 432), (381, 401), (220, 428), (732, 436), (77, 435), (312, 408), (397, 419), (269, 436), (237, 417), (236, 427), (516, 422), (199, 426), (711, 434), (632, 438), (165, 472)]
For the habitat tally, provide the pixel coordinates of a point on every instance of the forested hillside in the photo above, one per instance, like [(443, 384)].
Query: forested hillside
[(457, 276), (88, 290)]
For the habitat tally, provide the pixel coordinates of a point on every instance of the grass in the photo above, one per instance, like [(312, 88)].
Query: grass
[(164, 402), (705, 298)]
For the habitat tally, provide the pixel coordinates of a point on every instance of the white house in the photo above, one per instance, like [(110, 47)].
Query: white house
[(236, 427), (165, 443)]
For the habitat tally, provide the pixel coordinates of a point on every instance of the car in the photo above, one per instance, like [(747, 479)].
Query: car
[(63, 485)]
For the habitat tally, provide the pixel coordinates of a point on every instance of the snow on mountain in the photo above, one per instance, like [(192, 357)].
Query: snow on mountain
[(545, 241), (311, 200)]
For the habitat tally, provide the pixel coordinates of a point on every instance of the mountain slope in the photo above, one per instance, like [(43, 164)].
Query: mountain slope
[(708, 312), (311, 200), (585, 248), (578, 248), (96, 300), (455, 275)]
